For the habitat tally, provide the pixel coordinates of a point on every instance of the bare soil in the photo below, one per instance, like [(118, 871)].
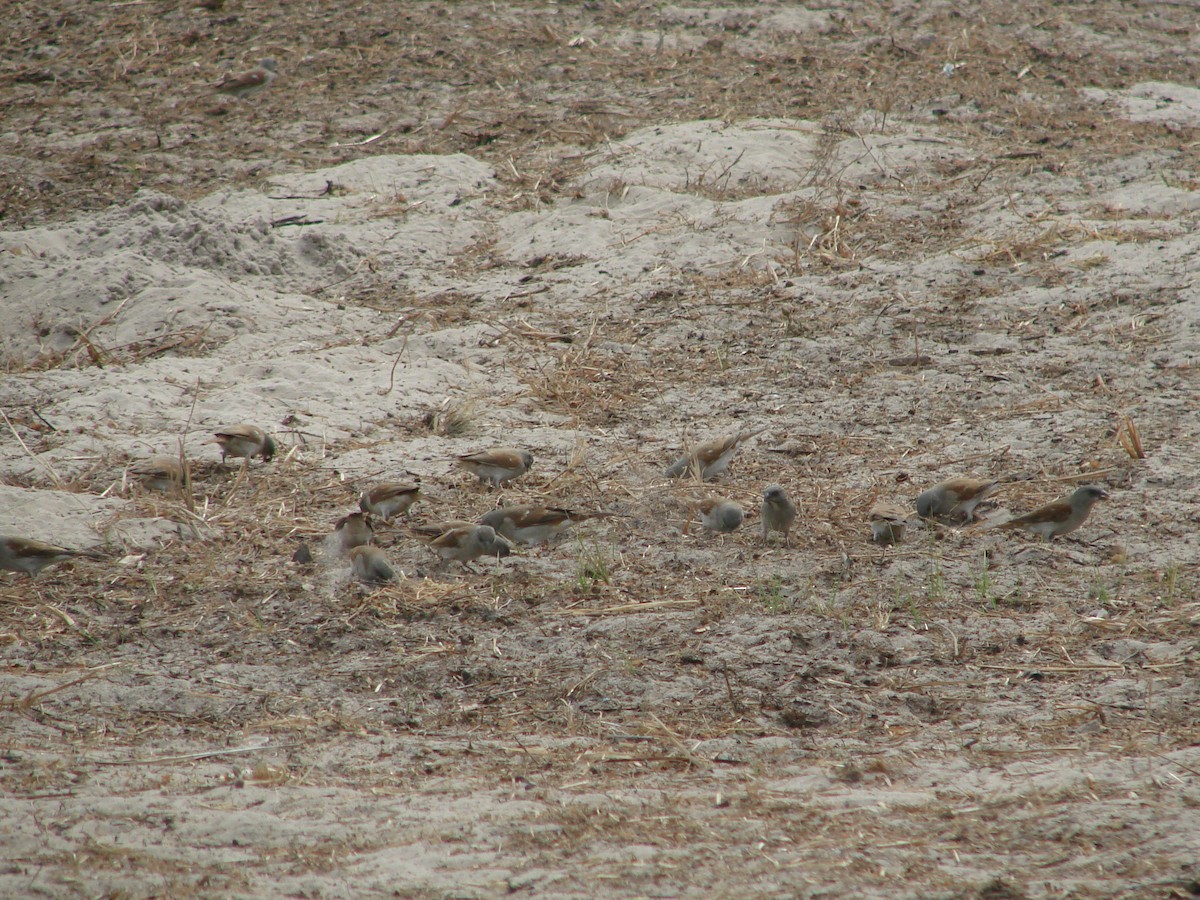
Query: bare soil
[(910, 240)]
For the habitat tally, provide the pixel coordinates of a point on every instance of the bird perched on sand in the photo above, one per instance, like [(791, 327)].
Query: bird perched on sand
[(26, 555), (1060, 517), (159, 473), (710, 459), (720, 516), (778, 513), (469, 542), (532, 525), (390, 498), (354, 530), (371, 565), (497, 465), (245, 441), (889, 521), (246, 83), (954, 497)]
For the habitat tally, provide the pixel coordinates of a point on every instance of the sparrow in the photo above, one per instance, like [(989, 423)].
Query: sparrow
[(720, 516), (534, 525), (710, 459), (245, 441), (497, 465), (19, 554), (1062, 516), (354, 530), (953, 497), (389, 498), (371, 565), (778, 513), (303, 555), (889, 521), (159, 473), (469, 542), (247, 83)]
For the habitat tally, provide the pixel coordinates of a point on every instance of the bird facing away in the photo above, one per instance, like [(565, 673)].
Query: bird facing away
[(26, 555), (159, 473), (354, 530), (1062, 516), (532, 525), (497, 465), (954, 497), (720, 516), (710, 459), (778, 513), (469, 542), (246, 83), (889, 521), (389, 499), (371, 565), (245, 441)]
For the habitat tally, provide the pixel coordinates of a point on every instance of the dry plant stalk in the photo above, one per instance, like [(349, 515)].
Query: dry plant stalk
[(1130, 438)]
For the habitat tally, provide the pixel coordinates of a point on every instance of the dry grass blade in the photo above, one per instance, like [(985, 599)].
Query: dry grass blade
[(35, 696), (1130, 438), (452, 419)]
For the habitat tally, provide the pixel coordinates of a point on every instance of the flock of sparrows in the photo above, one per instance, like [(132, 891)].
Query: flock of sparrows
[(496, 532)]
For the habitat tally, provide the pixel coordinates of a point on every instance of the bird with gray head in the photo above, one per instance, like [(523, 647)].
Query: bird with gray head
[(720, 516), (470, 542), (246, 83), (954, 497), (497, 465), (778, 513), (369, 564), (244, 441), (710, 459), (1060, 517), (18, 554)]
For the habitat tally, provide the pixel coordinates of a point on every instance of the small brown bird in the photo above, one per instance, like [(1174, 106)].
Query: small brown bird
[(1062, 516), (247, 83), (245, 441), (390, 499), (720, 516), (710, 459), (470, 542), (889, 522), (19, 554), (160, 473), (534, 525), (371, 565), (954, 497), (497, 465), (778, 513), (354, 530)]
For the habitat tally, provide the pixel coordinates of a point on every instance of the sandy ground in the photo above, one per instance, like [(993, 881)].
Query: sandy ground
[(906, 241)]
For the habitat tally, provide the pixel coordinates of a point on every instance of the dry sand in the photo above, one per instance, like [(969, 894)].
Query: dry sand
[(910, 242)]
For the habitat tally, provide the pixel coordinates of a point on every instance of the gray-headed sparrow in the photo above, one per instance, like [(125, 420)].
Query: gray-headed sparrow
[(159, 473), (710, 459), (354, 530), (954, 497), (470, 542), (245, 441), (247, 83), (371, 565), (778, 513), (889, 521), (1062, 516), (19, 554), (390, 498), (720, 516), (497, 465), (533, 525)]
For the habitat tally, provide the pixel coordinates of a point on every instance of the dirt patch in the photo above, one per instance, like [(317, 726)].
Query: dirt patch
[(908, 243)]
